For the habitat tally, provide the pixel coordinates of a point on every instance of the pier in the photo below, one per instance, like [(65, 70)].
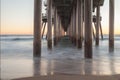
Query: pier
[(73, 18)]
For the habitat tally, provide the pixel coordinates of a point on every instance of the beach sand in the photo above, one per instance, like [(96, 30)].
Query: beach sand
[(72, 77)]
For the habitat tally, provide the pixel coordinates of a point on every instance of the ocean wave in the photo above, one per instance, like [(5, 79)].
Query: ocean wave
[(116, 38), (15, 39), (26, 38)]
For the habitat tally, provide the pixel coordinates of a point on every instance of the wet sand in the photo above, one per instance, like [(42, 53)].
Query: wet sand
[(72, 77)]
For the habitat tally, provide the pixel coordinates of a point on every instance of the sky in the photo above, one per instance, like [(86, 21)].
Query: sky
[(17, 16)]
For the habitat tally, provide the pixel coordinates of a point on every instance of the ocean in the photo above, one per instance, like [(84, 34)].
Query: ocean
[(17, 58)]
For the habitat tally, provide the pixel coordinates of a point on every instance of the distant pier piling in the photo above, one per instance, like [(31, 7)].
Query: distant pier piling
[(97, 24), (80, 22), (59, 25), (55, 26), (74, 26), (77, 30), (101, 31), (43, 29), (49, 34), (71, 30)]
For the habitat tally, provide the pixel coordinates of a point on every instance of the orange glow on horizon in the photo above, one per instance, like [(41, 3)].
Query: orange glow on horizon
[(16, 30), (25, 31)]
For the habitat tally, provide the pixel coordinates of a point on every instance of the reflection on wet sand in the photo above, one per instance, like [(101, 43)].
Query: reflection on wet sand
[(88, 67), (57, 64), (42, 67), (36, 67), (71, 61), (83, 67)]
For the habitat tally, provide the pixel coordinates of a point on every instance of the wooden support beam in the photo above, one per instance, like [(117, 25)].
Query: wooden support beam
[(111, 25), (88, 28), (97, 25), (93, 33), (101, 31), (43, 29), (49, 34), (37, 28), (42, 23)]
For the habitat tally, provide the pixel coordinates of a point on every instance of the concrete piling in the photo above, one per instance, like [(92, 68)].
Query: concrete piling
[(37, 28), (97, 25), (88, 28), (49, 34), (111, 25), (55, 27), (80, 22)]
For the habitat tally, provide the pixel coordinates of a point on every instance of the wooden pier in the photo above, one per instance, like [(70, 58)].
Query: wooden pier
[(73, 18)]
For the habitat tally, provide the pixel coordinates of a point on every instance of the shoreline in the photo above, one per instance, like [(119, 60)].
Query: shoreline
[(72, 77)]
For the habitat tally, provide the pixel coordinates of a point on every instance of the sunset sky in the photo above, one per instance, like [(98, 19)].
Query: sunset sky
[(17, 16)]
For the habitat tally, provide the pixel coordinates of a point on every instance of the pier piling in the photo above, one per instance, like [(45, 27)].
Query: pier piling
[(43, 29), (80, 22), (111, 25), (88, 28), (37, 28), (49, 34), (55, 26), (97, 24)]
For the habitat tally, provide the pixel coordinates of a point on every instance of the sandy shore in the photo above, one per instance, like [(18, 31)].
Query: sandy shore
[(72, 77)]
